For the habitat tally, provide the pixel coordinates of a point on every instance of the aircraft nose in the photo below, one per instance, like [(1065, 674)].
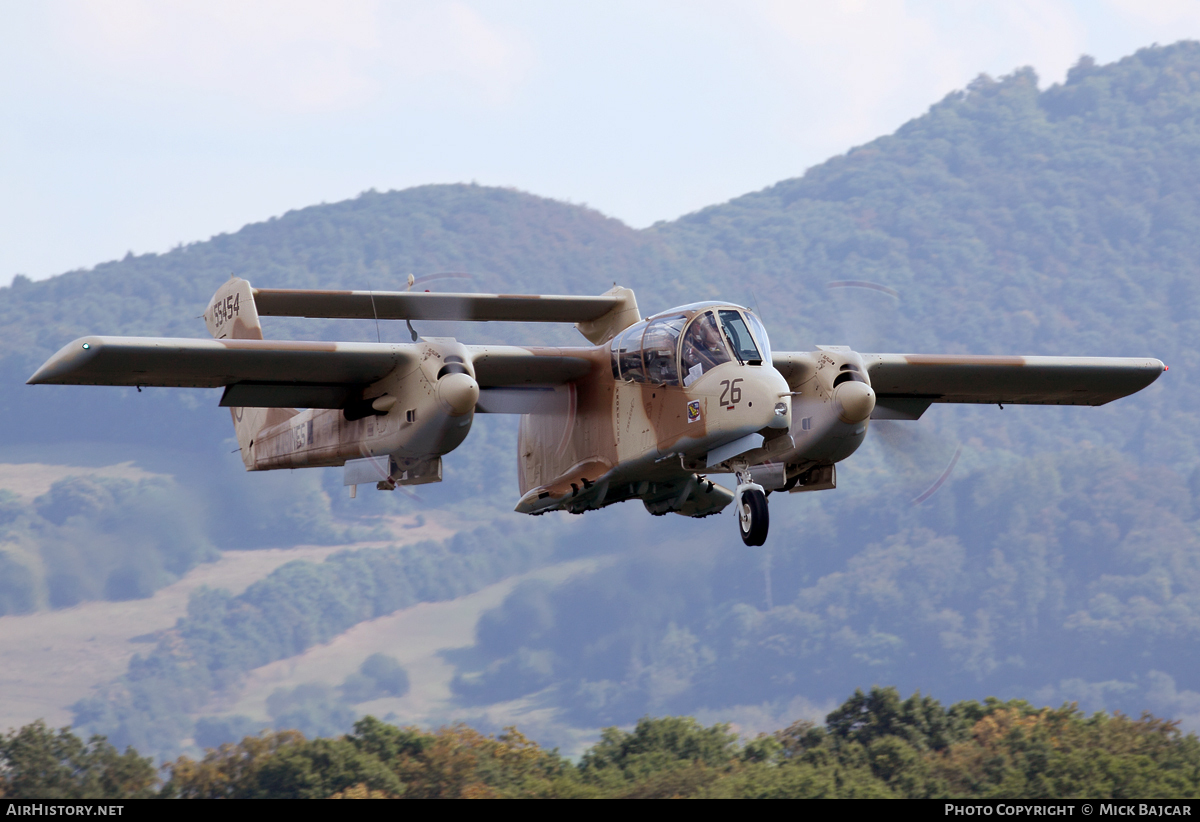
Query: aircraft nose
[(854, 401)]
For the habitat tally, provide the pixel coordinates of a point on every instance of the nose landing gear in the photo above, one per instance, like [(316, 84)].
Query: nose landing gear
[(753, 515)]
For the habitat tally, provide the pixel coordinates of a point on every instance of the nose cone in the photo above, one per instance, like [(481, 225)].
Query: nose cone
[(854, 401), (458, 393)]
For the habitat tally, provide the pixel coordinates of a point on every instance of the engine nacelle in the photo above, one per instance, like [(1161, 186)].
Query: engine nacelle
[(426, 412)]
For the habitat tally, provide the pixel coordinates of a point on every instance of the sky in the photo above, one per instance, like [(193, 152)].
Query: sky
[(139, 125)]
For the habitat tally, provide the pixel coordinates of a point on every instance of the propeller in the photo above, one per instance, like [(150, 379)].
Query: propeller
[(922, 457), (410, 494), (428, 279), (865, 309)]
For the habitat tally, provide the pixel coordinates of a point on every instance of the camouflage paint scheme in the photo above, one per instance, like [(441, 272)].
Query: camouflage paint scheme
[(599, 436), (593, 431)]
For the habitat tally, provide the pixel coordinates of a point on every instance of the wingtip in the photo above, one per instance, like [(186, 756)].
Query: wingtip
[(39, 377), (63, 360)]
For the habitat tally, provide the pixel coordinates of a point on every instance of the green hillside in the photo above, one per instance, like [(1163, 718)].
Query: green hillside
[(1060, 562)]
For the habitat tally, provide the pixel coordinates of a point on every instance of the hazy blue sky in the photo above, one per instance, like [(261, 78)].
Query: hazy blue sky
[(140, 124)]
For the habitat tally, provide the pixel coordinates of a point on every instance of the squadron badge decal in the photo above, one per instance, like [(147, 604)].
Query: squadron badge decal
[(694, 411)]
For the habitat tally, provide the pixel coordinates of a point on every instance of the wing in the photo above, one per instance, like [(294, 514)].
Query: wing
[(512, 365), (256, 373), (281, 373), (516, 380), (906, 384), (417, 305)]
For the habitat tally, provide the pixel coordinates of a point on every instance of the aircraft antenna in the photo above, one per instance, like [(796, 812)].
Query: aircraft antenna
[(371, 291), (407, 322), (757, 310)]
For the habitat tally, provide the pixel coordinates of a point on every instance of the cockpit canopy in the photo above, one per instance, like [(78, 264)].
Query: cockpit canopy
[(681, 346)]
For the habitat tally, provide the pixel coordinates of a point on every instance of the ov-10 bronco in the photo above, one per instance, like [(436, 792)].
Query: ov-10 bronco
[(649, 410)]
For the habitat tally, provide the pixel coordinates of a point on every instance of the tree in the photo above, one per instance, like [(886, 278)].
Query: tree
[(280, 765), (38, 763)]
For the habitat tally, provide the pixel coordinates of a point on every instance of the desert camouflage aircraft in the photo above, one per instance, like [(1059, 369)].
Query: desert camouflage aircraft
[(648, 411)]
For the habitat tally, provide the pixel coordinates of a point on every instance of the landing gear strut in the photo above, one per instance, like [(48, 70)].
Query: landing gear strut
[(753, 515)]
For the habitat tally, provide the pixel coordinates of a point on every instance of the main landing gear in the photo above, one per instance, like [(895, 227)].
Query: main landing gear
[(753, 516)]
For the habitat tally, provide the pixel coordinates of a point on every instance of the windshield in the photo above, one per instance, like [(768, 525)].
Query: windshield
[(659, 345), (760, 334), (627, 354), (740, 338), (703, 348)]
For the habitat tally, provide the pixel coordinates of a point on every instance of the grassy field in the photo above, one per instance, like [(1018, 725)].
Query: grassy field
[(419, 638), (50, 659)]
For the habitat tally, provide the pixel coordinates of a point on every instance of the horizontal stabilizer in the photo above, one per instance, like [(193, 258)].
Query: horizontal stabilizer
[(419, 305)]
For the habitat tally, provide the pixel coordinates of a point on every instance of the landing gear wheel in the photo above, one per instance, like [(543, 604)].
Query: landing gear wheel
[(753, 516)]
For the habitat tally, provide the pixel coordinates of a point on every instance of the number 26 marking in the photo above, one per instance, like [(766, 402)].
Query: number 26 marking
[(732, 392)]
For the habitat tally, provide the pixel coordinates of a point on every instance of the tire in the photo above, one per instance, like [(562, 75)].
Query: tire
[(753, 517)]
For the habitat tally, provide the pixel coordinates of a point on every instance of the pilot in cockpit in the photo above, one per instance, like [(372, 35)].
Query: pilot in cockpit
[(703, 348)]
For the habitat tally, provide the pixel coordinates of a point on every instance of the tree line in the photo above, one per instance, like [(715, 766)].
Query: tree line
[(875, 745)]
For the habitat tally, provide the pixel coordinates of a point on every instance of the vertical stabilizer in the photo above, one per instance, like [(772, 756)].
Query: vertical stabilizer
[(623, 315), (231, 313)]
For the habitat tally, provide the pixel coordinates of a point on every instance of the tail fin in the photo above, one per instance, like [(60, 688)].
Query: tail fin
[(620, 317), (231, 314)]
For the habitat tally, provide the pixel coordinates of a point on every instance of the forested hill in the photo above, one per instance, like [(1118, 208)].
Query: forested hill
[(1065, 221), (1061, 560), (1010, 220), (506, 241)]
